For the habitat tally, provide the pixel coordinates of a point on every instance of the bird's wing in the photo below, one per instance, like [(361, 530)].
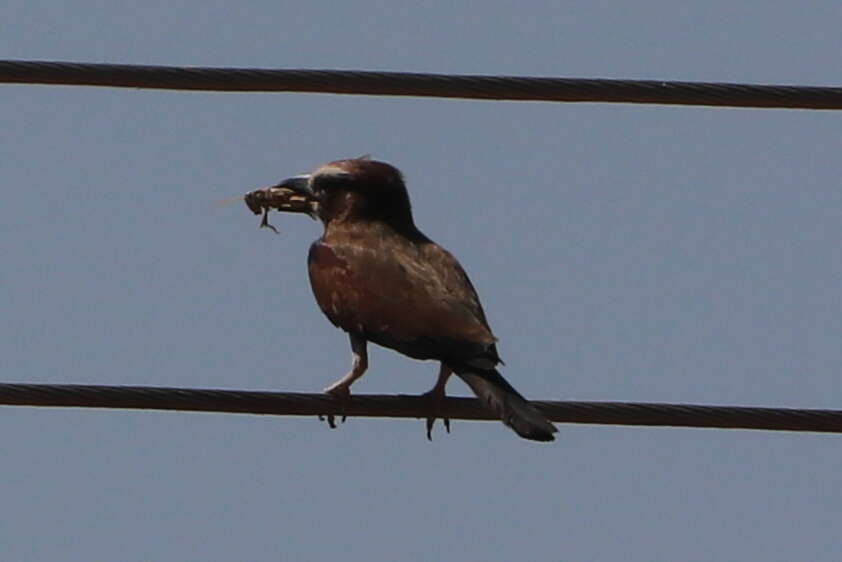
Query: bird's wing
[(413, 297)]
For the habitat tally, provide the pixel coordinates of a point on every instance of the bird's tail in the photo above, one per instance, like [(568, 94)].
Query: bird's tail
[(515, 410)]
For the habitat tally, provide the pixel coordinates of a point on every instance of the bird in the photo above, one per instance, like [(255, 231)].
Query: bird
[(376, 276)]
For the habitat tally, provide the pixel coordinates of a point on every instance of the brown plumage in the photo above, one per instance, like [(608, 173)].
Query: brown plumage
[(376, 276)]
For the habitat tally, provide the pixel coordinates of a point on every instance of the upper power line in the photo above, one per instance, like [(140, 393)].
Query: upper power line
[(513, 88)]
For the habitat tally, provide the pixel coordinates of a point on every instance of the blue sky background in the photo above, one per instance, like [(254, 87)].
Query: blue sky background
[(622, 252)]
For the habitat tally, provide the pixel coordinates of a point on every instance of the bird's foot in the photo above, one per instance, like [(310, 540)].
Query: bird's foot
[(342, 392), (436, 396)]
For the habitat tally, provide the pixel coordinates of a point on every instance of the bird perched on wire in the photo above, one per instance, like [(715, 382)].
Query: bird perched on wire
[(380, 279)]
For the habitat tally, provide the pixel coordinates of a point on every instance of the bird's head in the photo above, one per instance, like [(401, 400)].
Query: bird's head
[(356, 189)]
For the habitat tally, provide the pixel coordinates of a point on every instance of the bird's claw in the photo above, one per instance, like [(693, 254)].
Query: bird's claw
[(435, 397), (331, 420), (341, 393), (431, 422)]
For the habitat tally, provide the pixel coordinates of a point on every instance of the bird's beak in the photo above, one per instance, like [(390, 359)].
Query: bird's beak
[(292, 195), (298, 184)]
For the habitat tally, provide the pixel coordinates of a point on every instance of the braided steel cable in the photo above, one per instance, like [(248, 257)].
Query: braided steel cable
[(422, 85), (402, 406)]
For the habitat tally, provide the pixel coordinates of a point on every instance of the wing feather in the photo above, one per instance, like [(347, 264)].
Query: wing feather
[(415, 298)]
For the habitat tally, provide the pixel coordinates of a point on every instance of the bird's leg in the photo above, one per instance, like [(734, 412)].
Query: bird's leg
[(341, 389), (436, 395), (359, 354)]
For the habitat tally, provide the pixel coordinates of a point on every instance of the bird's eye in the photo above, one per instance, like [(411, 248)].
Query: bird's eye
[(332, 182)]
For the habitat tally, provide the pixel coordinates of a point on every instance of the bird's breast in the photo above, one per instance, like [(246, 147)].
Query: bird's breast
[(332, 281), (360, 290)]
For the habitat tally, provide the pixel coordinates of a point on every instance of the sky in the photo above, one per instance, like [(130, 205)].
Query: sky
[(622, 252)]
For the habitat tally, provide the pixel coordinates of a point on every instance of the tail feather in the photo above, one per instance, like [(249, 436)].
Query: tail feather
[(515, 411)]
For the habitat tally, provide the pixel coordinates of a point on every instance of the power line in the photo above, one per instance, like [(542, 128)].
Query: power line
[(402, 406), (428, 85), (423, 85)]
